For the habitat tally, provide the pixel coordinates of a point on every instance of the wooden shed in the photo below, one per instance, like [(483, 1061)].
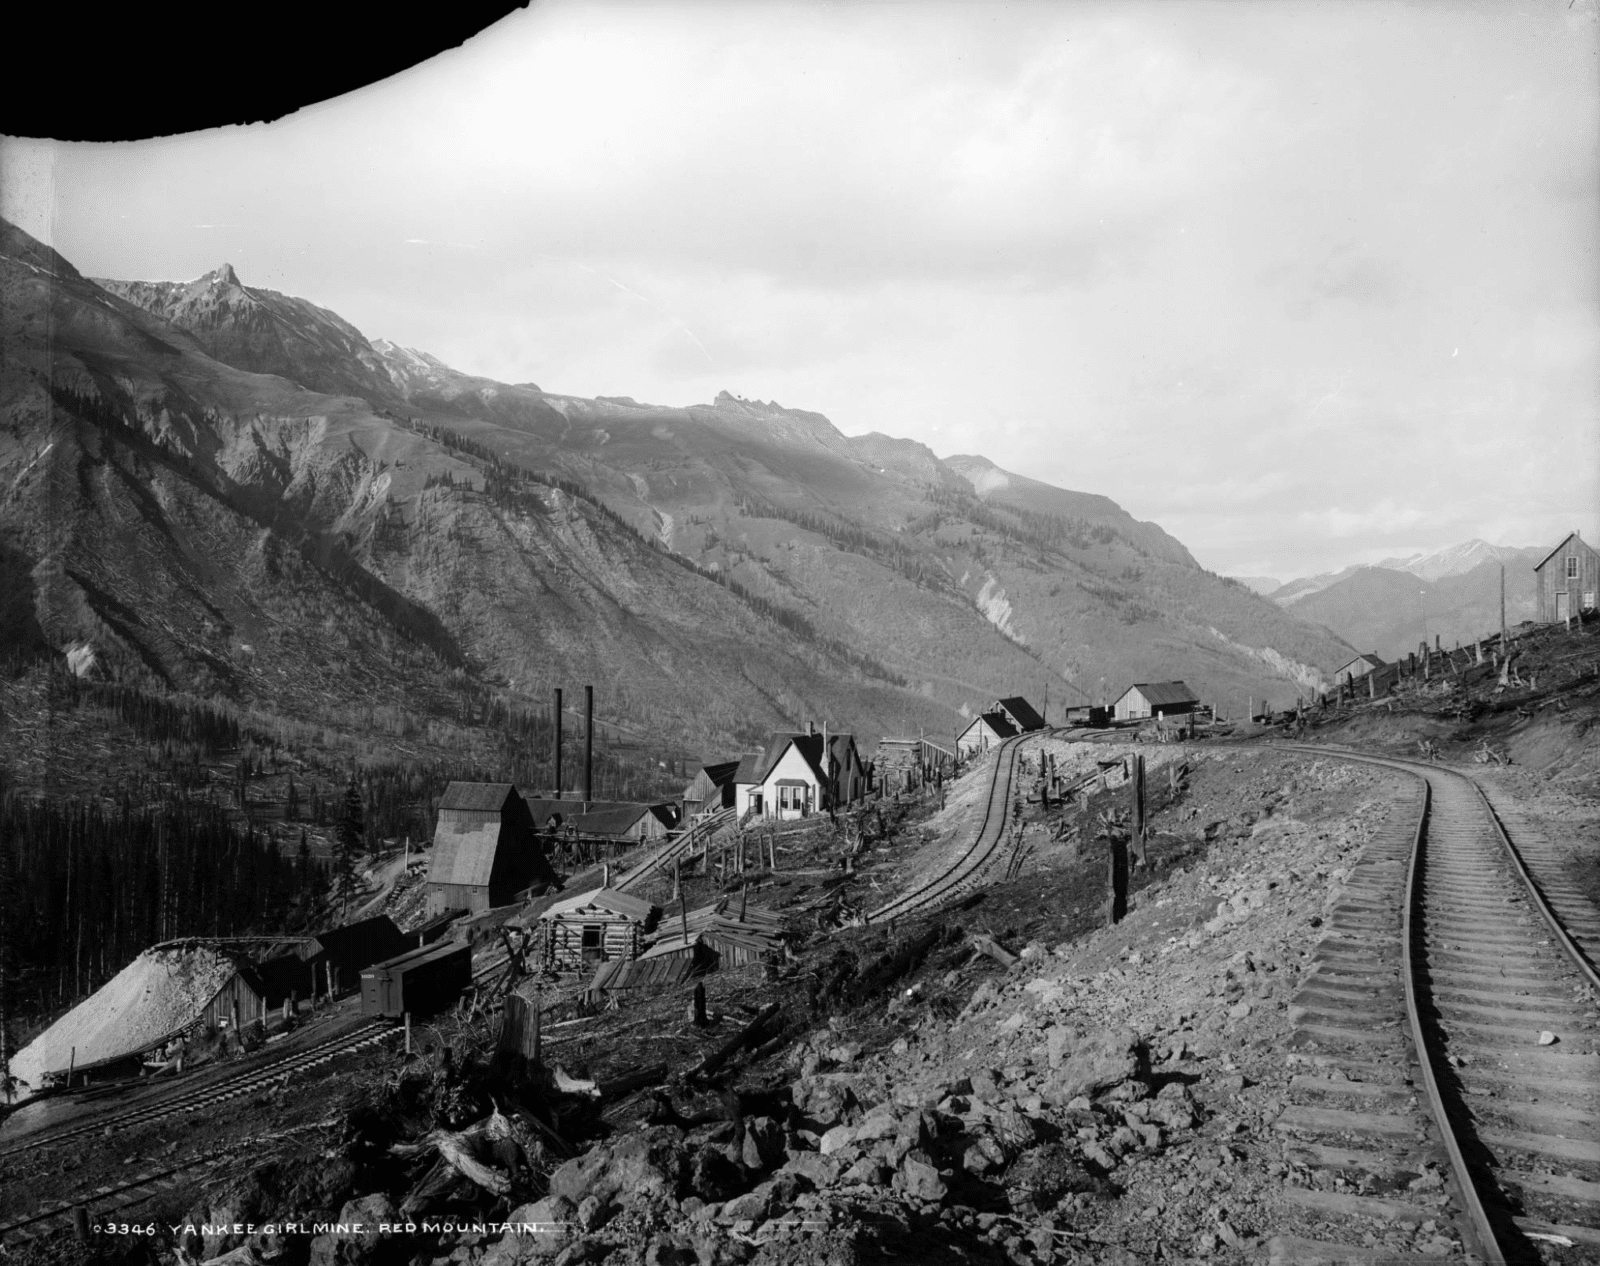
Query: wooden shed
[(1566, 581), (595, 927), (241, 1001), (1146, 699), (1357, 668), (988, 730), (485, 850), (710, 789)]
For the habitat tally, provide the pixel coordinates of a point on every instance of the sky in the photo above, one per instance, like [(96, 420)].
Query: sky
[(1308, 284)]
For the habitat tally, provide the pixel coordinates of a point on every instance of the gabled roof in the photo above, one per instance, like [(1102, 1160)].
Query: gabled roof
[(998, 722), (618, 903), (464, 857), (808, 745), (720, 774), (1559, 548), (749, 768), (481, 797), (839, 748), (1371, 658), (1163, 693), (616, 820), (1021, 712)]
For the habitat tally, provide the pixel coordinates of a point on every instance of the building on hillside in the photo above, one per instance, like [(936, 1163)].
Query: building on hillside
[(1146, 699), (1019, 712), (711, 789), (485, 850), (300, 968), (1358, 668), (848, 777), (595, 927), (988, 730), (1566, 581), (800, 774), (904, 764), (623, 824)]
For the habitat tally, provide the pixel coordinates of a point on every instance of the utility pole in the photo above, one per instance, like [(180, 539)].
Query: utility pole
[(1502, 608)]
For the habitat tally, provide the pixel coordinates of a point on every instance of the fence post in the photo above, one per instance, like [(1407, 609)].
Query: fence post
[(1138, 809), (408, 1032)]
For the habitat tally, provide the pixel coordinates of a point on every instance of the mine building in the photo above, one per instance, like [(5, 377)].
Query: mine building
[(595, 927), (1566, 581), (485, 850), (712, 788), (1357, 668), (988, 730), (330, 961), (1146, 699)]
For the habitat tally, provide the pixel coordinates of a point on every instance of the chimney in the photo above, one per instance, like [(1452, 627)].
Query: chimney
[(588, 743), (558, 742), (811, 727)]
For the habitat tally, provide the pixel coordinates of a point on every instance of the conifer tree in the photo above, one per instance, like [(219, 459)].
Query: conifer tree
[(352, 835)]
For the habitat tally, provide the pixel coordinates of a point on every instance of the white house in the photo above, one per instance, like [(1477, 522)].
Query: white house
[(791, 780)]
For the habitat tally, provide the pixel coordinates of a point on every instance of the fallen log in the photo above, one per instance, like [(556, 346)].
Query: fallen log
[(573, 1085), (717, 1058), (986, 945), (627, 1084)]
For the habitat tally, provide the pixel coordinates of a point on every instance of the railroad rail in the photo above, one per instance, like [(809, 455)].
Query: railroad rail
[(968, 869), (673, 849), (1450, 1029), (245, 1081)]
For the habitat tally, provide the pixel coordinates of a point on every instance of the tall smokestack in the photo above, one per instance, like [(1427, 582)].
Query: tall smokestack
[(588, 743), (558, 742)]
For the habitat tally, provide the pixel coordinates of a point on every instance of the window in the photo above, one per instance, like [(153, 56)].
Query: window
[(1572, 567), (591, 936)]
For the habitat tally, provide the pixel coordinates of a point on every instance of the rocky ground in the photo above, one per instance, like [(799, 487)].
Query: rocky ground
[(1108, 1097)]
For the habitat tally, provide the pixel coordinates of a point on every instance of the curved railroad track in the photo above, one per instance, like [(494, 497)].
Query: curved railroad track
[(1450, 1037), (967, 871), (245, 1081)]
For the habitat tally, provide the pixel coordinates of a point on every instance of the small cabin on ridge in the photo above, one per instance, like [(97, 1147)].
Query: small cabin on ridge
[(1357, 668), (1566, 581), (595, 927)]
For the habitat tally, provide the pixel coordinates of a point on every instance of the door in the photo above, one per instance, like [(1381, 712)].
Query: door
[(1563, 610)]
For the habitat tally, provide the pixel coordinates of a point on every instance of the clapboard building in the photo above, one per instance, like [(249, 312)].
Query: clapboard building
[(712, 788), (1566, 581), (485, 850), (988, 730), (800, 774), (1146, 699)]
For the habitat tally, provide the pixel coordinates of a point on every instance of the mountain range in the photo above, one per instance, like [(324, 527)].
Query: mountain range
[(1389, 607), (229, 492)]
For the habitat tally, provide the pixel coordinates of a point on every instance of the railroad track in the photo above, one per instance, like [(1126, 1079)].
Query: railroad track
[(969, 868), (1449, 1033), (658, 861), (114, 1202), (244, 1082)]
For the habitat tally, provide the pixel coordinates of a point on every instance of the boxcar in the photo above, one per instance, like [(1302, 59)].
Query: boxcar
[(421, 981)]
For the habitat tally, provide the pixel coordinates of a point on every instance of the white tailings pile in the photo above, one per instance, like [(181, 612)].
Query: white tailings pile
[(160, 992)]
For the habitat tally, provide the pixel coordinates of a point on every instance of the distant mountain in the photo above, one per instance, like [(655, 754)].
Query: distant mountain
[(1292, 591), (231, 491), (1263, 585), (1390, 612), (1458, 560)]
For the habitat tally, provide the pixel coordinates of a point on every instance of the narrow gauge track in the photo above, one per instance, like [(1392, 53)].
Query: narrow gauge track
[(1449, 1029), (108, 1201), (244, 1082), (969, 868), (658, 861)]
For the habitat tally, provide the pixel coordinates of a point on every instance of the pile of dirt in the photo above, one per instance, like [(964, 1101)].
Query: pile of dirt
[(158, 994)]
